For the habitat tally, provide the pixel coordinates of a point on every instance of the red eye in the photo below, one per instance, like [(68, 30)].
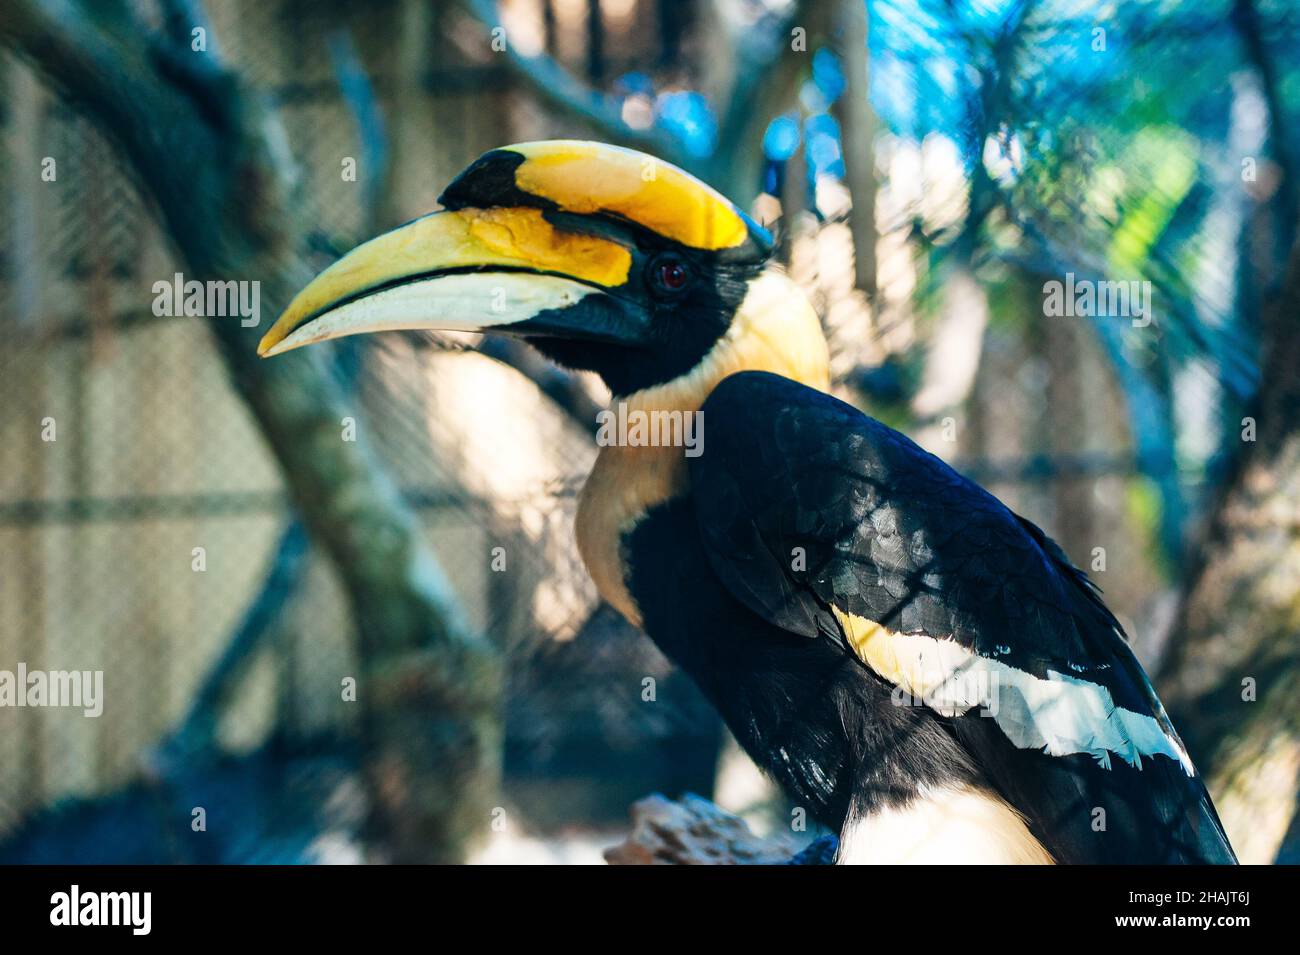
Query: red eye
[(672, 275)]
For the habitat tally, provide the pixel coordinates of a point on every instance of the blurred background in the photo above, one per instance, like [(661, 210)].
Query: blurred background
[(191, 524)]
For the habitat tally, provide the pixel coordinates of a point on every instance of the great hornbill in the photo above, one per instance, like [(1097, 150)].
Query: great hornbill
[(921, 668)]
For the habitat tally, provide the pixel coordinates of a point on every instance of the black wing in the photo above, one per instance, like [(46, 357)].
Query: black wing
[(831, 525)]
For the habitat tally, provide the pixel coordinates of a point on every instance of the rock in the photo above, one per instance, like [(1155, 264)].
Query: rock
[(693, 831)]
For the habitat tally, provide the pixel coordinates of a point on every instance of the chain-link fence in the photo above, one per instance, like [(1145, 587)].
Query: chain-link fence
[(141, 513), (145, 531)]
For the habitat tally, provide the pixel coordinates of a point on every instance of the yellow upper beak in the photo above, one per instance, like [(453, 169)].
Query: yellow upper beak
[(469, 269)]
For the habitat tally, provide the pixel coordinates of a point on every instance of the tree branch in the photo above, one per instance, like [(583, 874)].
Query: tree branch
[(765, 72), (559, 87)]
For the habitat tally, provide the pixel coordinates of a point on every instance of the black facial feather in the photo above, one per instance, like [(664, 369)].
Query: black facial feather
[(683, 326)]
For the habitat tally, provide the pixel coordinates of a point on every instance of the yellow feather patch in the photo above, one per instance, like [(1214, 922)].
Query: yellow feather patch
[(873, 643)]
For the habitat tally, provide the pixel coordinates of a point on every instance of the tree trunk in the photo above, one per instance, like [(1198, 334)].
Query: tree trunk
[(1233, 667), (858, 132)]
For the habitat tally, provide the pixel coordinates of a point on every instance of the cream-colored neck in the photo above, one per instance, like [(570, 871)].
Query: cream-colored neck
[(776, 330)]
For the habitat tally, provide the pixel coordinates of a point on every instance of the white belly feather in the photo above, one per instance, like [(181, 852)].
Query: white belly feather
[(951, 826)]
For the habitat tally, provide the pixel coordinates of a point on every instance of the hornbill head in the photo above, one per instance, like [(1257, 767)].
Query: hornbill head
[(603, 258)]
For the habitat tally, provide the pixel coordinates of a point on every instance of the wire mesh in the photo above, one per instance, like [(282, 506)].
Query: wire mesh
[(154, 455)]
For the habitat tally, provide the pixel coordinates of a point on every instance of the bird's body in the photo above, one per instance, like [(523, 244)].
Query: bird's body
[(811, 696), (921, 669), (810, 715)]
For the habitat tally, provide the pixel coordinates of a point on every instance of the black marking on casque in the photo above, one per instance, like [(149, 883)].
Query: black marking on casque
[(488, 182)]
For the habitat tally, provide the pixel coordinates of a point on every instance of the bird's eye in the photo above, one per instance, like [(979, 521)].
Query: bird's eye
[(670, 274)]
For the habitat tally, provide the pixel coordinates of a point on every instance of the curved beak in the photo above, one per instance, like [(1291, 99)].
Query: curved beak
[(499, 269)]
